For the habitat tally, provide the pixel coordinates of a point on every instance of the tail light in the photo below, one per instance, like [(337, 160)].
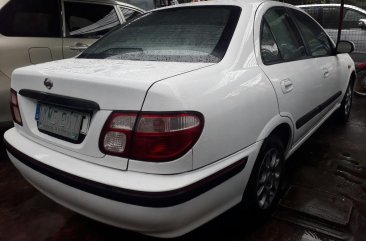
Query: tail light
[(156, 137), (14, 107)]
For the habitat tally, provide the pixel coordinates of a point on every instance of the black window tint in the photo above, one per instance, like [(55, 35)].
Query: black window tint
[(269, 49), (129, 13), (36, 18), (285, 34), (186, 34), (351, 18), (89, 20), (330, 17), (313, 34), (315, 13)]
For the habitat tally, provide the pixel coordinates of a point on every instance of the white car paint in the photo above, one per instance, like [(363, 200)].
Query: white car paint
[(239, 98)]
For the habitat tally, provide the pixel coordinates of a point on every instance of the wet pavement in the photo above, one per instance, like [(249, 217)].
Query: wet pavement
[(324, 198)]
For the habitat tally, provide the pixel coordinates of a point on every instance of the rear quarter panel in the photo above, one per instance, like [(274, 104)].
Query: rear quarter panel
[(236, 106)]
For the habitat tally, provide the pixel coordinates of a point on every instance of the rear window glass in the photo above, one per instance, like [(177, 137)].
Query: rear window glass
[(194, 34)]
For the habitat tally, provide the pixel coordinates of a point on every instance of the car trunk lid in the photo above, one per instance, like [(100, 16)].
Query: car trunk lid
[(91, 88)]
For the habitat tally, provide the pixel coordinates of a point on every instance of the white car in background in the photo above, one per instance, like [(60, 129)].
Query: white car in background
[(33, 32), (174, 118)]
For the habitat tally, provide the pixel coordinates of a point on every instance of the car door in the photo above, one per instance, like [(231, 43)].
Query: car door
[(84, 23), (321, 49), (295, 76)]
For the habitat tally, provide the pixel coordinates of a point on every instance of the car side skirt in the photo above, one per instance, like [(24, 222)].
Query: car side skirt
[(311, 114)]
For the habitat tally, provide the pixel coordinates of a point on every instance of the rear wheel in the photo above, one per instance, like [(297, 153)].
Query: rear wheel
[(262, 193)]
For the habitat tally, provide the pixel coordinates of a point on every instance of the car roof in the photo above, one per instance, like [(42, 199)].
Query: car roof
[(333, 5), (230, 2), (239, 3)]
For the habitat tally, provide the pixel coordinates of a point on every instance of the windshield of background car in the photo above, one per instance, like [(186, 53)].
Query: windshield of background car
[(186, 34)]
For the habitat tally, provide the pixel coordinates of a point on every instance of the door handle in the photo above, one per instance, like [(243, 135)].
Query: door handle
[(287, 86), (79, 47), (326, 73)]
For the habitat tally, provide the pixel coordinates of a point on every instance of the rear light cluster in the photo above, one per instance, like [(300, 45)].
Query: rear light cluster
[(150, 136), (14, 107)]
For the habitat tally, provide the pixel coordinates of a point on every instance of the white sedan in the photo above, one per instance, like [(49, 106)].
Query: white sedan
[(177, 116)]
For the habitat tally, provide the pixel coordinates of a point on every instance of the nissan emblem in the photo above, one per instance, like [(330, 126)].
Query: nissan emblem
[(48, 83)]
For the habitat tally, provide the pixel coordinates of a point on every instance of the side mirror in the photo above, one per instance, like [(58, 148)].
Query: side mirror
[(345, 47), (362, 23)]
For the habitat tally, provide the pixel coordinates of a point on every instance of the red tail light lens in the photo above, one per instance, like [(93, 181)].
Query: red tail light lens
[(164, 137), (156, 137), (14, 107), (117, 134)]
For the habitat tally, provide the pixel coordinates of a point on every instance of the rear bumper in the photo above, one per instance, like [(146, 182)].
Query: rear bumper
[(145, 203)]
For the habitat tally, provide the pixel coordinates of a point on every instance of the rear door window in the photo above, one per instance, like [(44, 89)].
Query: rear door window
[(269, 49), (36, 18), (89, 20), (285, 33), (316, 39), (315, 13)]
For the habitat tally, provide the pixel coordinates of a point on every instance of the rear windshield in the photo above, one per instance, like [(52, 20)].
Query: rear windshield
[(189, 34)]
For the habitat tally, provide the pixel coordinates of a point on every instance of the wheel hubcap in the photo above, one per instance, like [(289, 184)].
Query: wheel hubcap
[(348, 101), (268, 178)]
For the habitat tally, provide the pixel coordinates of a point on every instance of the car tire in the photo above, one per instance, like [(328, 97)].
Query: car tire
[(263, 190), (344, 110)]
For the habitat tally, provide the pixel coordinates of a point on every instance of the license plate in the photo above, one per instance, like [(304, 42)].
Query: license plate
[(61, 122)]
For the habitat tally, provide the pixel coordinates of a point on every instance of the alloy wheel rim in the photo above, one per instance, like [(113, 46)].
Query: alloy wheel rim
[(348, 101), (268, 178)]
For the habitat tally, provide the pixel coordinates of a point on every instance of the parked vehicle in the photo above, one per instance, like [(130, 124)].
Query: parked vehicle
[(171, 120), (354, 22), (33, 32)]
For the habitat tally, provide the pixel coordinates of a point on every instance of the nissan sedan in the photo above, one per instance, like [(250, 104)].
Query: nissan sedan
[(177, 116)]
